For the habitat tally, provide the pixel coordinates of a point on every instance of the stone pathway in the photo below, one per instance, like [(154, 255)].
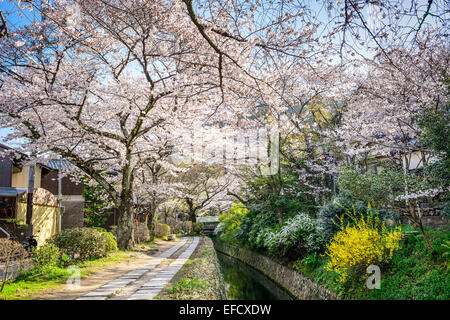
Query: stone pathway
[(147, 281), (152, 287)]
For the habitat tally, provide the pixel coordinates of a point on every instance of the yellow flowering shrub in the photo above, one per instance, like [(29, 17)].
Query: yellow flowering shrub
[(365, 242)]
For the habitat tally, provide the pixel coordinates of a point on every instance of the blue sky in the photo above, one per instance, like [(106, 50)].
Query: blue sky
[(14, 18)]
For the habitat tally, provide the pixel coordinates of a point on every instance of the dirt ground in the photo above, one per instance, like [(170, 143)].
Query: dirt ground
[(106, 273)]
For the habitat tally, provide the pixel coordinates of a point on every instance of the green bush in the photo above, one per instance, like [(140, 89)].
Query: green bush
[(81, 244), (46, 256), (162, 230), (254, 226), (230, 222), (111, 240), (197, 228), (435, 135), (328, 216), (381, 188)]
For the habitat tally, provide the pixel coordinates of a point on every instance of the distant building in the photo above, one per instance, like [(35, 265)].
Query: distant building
[(209, 223)]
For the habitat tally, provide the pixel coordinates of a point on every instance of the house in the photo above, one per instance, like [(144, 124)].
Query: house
[(58, 201), (67, 191), (43, 220), (411, 157), (411, 162)]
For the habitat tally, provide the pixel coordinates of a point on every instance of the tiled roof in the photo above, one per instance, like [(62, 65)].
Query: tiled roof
[(59, 164), (208, 219)]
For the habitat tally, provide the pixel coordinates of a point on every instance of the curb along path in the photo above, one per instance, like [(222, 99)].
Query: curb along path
[(145, 282)]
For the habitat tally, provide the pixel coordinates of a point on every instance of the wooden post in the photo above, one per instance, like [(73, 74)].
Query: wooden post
[(29, 217), (59, 201)]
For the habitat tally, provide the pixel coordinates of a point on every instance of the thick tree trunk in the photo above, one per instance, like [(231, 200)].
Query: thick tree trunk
[(151, 217), (193, 216), (125, 227), (192, 210)]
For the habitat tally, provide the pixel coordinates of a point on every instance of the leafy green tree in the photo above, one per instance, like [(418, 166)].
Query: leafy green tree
[(98, 205), (381, 188), (230, 222), (435, 135)]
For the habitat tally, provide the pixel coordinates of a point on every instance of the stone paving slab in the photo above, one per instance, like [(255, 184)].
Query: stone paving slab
[(112, 287), (127, 291), (150, 289)]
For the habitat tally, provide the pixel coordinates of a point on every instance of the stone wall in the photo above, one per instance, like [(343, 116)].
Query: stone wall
[(432, 215), (429, 221), (298, 285), (73, 216)]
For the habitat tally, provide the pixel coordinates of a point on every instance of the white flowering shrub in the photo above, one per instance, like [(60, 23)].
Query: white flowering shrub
[(261, 238), (299, 232), (219, 229)]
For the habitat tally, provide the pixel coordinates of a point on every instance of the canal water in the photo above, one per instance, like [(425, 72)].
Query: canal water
[(246, 283)]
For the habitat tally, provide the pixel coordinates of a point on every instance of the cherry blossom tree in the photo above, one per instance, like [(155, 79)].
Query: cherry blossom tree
[(203, 187), (116, 86), (153, 183), (96, 80)]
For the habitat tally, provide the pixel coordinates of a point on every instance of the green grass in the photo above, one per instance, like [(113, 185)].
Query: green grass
[(33, 281), (25, 285), (187, 286), (412, 274), (190, 285)]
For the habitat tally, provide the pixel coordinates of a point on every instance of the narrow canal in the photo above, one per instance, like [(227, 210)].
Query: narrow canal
[(246, 283)]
